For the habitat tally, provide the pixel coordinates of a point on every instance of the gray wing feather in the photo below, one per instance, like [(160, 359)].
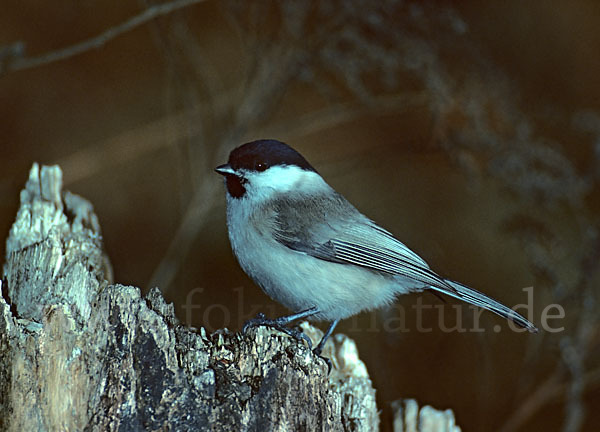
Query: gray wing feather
[(337, 232)]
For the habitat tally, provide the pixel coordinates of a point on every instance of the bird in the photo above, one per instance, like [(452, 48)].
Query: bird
[(311, 250)]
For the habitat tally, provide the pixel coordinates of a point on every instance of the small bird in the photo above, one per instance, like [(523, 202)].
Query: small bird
[(312, 251)]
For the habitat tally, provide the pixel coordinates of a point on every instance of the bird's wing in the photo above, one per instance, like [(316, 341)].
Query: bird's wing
[(337, 232)]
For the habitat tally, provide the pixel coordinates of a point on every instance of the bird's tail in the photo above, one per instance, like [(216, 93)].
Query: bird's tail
[(469, 295)]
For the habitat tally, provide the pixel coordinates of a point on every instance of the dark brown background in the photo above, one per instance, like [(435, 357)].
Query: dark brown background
[(138, 124)]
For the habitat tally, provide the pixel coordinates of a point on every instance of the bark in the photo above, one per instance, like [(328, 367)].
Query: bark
[(78, 352)]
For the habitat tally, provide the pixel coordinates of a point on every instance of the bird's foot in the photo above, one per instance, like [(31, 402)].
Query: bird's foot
[(277, 324)]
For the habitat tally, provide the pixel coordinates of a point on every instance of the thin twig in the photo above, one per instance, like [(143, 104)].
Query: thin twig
[(125, 147), (343, 113), (193, 220), (99, 40), (551, 390)]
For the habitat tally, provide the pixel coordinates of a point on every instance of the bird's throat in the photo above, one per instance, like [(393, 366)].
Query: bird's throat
[(235, 186)]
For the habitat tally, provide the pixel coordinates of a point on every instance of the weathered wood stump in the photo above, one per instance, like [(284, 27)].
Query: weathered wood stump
[(78, 352)]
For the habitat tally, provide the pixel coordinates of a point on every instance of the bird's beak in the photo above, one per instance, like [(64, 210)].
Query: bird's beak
[(225, 169)]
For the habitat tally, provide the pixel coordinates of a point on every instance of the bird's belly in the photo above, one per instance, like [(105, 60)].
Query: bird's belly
[(300, 281)]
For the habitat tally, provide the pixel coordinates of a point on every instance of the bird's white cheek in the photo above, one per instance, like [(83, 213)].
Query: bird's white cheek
[(283, 179)]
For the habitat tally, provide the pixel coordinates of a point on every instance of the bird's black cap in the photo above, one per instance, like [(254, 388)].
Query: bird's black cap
[(262, 154)]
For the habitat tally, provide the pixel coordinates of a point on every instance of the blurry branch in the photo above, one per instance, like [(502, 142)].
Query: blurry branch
[(19, 62), (576, 349), (188, 59), (552, 390), (342, 113), (130, 145), (187, 232), (194, 80)]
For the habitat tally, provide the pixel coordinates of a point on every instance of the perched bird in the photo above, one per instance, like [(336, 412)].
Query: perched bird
[(312, 251)]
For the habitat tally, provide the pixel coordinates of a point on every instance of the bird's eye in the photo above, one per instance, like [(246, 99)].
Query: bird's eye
[(261, 166)]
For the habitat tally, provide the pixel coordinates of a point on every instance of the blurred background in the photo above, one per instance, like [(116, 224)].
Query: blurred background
[(471, 130)]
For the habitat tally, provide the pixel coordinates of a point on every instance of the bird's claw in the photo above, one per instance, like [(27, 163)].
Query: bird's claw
[(277, 324), (258, 320), (280, 324)]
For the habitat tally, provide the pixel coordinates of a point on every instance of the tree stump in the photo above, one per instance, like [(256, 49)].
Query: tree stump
[(78, 352)]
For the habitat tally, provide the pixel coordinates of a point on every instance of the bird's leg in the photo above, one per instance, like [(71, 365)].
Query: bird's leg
[(280, 324), (319, 348)]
